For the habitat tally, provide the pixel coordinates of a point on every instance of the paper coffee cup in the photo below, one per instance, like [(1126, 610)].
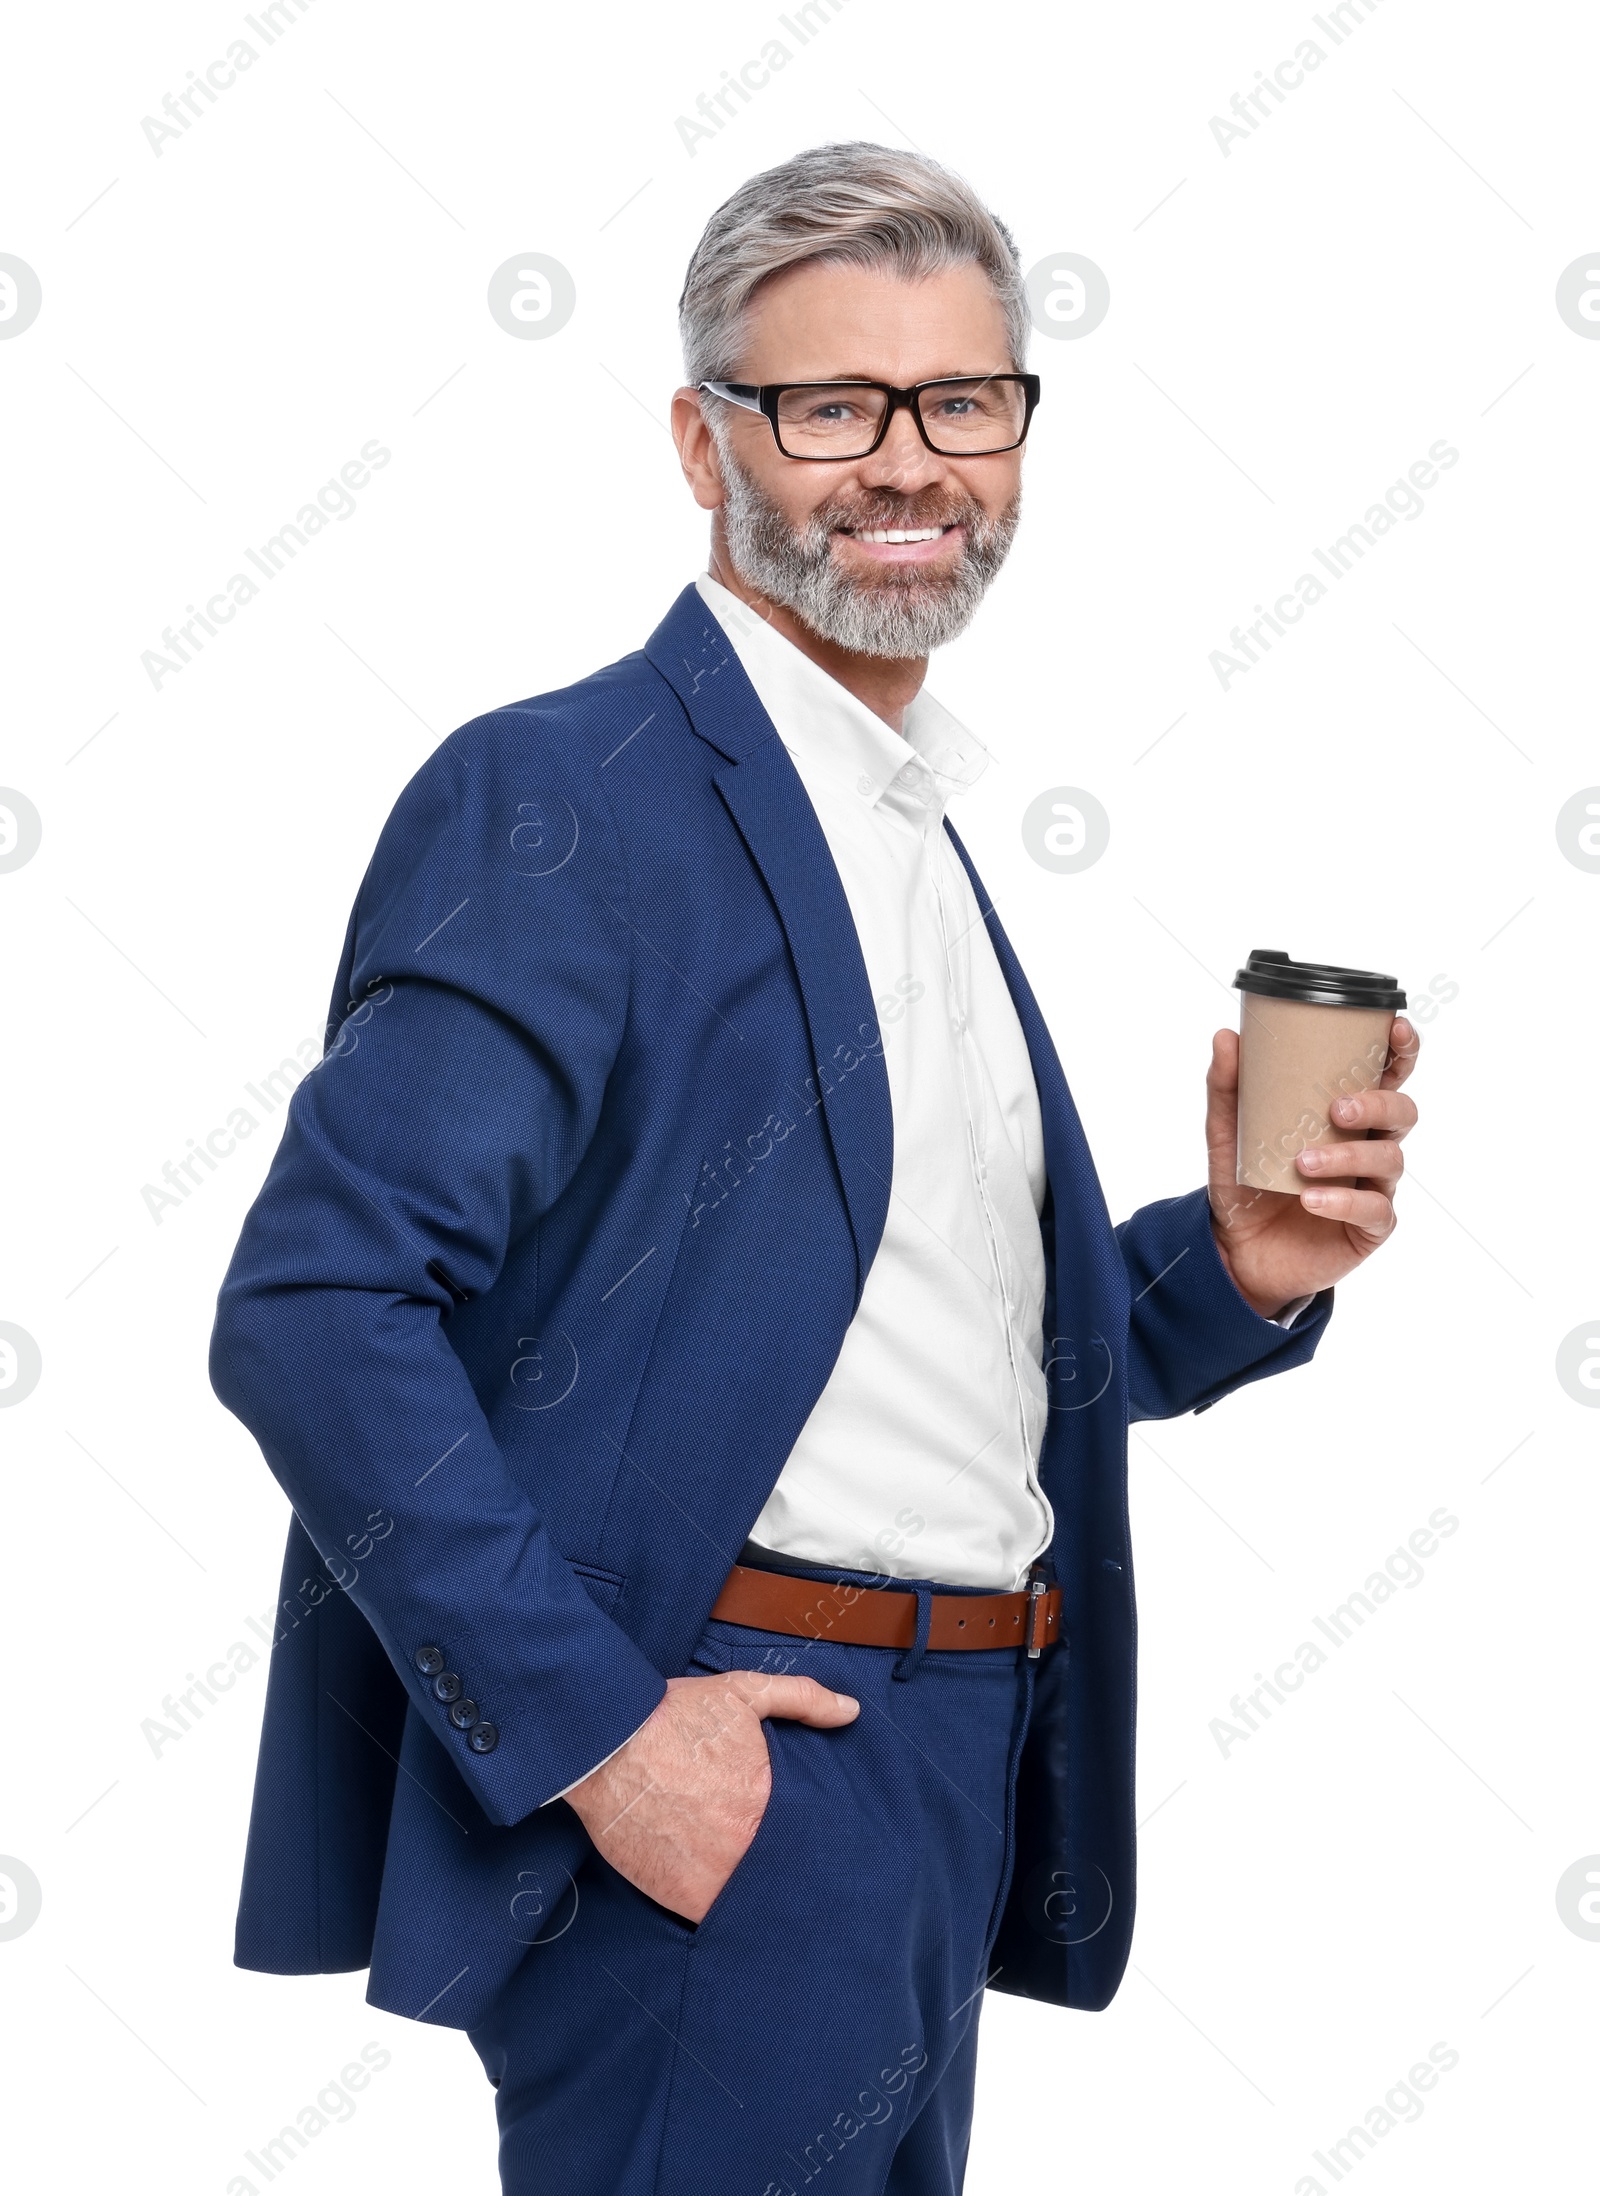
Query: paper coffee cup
[(1309, 1033)]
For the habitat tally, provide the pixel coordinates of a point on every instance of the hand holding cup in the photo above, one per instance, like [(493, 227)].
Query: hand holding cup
[(1304, 1121)]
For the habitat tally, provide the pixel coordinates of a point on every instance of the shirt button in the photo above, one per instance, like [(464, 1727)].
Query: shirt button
[(484, 1739), (864, 785), (429, 1660), (447, 1686)]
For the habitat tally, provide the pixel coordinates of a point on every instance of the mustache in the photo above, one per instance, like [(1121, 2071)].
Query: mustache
[(865, 514)]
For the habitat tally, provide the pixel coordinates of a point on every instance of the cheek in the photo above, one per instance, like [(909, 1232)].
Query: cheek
[(996, 488), (802, 495), (818, 495)]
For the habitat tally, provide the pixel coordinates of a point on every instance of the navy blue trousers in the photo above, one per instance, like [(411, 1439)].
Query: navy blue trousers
[(819, 2027)]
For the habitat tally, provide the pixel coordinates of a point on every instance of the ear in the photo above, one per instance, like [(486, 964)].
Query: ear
[(697, 450)]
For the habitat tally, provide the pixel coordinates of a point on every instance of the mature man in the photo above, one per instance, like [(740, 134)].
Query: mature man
[(684, 1317)]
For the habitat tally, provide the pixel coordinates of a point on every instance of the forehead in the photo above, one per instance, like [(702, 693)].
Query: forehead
[(823, 322)]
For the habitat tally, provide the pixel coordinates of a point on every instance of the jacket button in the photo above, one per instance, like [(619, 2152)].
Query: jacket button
[(464, 1714), (447, 1686), (484, 1739), (429, 1660)]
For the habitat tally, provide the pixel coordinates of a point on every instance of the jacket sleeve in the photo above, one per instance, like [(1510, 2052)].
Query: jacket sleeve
[(480, 1007), (1192, 1338)]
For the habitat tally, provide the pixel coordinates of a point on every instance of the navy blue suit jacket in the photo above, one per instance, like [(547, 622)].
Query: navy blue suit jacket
[(557, 1253)]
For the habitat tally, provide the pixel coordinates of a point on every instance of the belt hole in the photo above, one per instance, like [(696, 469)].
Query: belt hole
[(961, 1624), (991, 1624)]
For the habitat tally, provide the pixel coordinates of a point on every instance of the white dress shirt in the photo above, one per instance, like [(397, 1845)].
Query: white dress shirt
[(919, 1458)]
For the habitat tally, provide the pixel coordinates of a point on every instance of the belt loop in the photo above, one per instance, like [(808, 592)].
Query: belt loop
[(906, 1667)]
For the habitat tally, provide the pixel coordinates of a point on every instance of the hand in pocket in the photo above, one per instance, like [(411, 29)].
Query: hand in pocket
[(676, 1809)]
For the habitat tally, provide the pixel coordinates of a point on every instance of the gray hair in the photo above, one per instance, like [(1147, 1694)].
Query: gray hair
[(854, 205)]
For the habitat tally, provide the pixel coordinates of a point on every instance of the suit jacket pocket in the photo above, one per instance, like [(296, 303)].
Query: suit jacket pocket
[(602, 1587)]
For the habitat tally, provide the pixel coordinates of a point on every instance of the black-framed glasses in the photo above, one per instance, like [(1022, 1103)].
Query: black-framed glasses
[(822, 422)]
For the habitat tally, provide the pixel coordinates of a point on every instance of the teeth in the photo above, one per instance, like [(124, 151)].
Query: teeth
[(901, 533)]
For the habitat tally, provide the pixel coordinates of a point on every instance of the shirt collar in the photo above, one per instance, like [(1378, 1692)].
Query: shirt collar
[(825, 723)]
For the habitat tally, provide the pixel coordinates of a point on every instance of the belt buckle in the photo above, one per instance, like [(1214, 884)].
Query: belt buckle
[(1038, 1621)]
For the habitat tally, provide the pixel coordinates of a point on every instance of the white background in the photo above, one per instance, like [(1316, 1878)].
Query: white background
[(1370, 271)]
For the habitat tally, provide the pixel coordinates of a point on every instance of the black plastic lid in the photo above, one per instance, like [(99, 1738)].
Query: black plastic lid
[(1318, 983)]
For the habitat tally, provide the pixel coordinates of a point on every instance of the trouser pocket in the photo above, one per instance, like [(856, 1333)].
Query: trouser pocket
[(752, 1862), (715, 1655)]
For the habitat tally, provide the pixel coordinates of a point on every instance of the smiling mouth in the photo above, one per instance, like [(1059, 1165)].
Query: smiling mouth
[(898, 533), (904, 545)]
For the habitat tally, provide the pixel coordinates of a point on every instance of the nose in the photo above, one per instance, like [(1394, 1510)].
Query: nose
[(902, 462)]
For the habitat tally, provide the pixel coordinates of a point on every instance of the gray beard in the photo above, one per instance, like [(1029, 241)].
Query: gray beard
[(902, 614)]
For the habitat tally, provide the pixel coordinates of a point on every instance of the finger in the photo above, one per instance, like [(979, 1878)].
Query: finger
[(1383, 1110), (1404, 1044), (799, 1699), (1223, 1073), (1222, 1106), (1377, 1156), (1368, 1211)]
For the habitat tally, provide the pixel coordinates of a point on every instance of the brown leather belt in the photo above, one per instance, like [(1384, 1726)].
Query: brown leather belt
[(876, 1616)]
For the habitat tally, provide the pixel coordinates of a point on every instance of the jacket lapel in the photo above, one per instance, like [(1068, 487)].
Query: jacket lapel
[(1089, 1270), (763, 793)]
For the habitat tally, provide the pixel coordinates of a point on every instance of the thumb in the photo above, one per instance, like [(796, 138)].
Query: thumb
[(1222, 1077), (1222, 1099), (802, 1700)]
